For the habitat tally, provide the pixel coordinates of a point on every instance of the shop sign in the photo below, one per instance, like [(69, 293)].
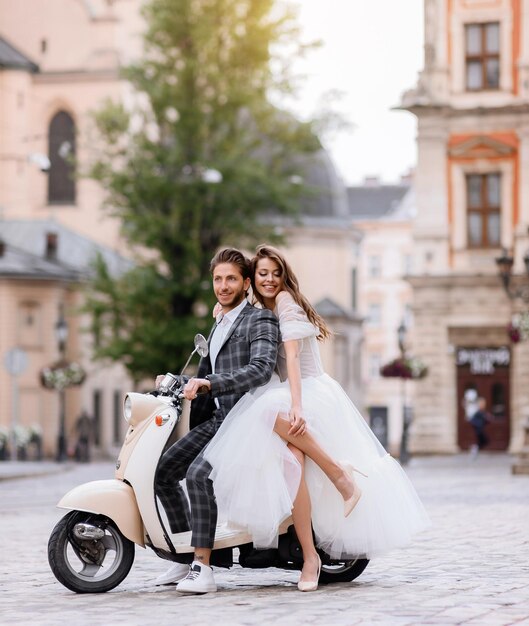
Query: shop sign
[(483, 360)]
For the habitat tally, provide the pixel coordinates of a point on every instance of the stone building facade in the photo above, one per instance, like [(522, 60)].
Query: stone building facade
[(472, 196)]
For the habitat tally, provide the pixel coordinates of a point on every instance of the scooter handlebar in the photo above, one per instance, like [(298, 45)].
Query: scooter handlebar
[(200, 392), (172, 384)]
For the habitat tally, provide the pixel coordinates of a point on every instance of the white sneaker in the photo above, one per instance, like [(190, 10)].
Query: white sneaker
[(176, 572), (199, 580)]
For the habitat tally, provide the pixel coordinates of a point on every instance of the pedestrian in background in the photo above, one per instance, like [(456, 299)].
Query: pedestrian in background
[(84, 434), (479, 422)]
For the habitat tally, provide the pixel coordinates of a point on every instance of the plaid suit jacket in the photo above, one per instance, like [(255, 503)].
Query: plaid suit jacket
[(246, 360)]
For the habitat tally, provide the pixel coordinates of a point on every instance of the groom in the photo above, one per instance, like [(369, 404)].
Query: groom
[(242, 356)]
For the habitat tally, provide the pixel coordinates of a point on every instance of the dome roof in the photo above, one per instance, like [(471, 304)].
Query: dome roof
[(326, 194)]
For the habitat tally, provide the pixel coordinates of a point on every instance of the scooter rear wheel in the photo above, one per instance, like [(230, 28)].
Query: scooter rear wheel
[(342, 573), (89, 565)]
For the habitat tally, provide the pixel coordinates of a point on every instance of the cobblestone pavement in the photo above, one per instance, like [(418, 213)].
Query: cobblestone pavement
[(471, 567)]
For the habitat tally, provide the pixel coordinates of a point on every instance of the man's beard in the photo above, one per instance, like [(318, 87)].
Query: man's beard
[(236, 300)]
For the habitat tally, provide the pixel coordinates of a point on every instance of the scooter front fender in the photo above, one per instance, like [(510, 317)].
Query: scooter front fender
[(112, 498)]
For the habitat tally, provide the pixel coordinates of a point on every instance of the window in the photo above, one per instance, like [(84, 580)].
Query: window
[(118, 417), (483, 210), (353, 289), (97, 401), (61, 152), (375, 363), (373, 266), (407, 316), (407, 264), (29, 325), (341, 359), (373, 315), (482, 56), (378, 420)]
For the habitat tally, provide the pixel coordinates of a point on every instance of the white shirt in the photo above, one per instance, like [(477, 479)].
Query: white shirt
[(221, 330), (224, 323)]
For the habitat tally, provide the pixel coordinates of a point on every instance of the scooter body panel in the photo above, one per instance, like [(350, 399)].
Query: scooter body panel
[(145, 407), (141, 470), (112, 498)]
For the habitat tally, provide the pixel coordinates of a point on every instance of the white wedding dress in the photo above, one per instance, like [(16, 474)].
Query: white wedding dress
[(256, 477)]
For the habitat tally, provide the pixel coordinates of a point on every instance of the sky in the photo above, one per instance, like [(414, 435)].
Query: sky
[(372, 52)]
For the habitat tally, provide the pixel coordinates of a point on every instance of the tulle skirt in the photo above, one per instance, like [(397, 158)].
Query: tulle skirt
[(256, 477)]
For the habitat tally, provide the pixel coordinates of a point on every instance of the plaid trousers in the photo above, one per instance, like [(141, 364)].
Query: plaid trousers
[(183, 460)]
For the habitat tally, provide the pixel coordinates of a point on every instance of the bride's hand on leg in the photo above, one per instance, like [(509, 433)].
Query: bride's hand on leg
[(298, 425)]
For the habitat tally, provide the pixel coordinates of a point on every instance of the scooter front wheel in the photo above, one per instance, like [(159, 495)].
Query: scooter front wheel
[(88, 554)]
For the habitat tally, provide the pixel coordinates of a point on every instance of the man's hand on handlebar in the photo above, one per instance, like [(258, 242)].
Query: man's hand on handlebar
[(196, 386)]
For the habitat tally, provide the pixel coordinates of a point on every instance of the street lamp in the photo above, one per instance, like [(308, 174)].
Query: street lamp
[(61, 334), (401, 337), (404, 367), (406, 416), (504, 264)]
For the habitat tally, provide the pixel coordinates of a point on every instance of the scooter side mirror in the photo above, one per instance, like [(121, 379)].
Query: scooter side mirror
[(201, 345)]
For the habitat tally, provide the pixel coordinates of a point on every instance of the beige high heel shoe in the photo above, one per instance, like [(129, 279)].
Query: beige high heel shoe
[(351, 502), (310, 585)]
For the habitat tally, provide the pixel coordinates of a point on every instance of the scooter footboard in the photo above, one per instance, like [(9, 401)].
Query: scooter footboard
[(112, 498), (225, 537)]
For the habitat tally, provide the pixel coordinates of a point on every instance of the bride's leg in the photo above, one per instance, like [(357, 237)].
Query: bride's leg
[(301, 515), (309, 446)]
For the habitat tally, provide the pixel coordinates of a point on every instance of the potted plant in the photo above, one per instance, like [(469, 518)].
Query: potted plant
[(61, 375), (404, 367), (518, 327), (21, 438)]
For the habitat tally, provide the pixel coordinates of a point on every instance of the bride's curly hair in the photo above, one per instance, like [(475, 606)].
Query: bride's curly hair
[(291, 284)]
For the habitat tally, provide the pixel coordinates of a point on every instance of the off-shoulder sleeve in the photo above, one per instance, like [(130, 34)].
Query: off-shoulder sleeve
[(293, 321)]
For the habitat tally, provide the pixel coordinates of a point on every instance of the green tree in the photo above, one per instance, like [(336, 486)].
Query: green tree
[(193, 163)]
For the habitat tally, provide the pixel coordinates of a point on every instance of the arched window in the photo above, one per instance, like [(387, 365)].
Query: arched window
[(61, 151)]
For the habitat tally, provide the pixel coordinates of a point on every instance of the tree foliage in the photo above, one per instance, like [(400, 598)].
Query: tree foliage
[(200, 107)]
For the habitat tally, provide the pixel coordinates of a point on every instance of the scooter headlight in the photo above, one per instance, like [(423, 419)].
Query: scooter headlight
[(140, 406), (127, 408)]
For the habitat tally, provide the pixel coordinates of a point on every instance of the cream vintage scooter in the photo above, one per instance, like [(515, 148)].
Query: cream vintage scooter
[(91, 549)]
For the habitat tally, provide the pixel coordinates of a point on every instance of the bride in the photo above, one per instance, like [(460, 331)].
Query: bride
[(259, 475)]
